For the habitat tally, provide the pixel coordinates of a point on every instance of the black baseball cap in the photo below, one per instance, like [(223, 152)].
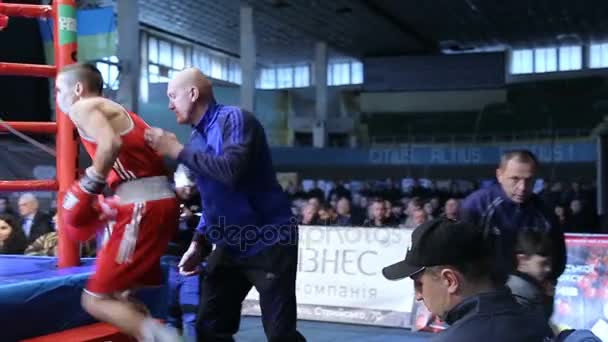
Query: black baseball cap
[(439, 242)]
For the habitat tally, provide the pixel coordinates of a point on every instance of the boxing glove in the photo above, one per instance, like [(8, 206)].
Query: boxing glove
[(104, 210), (80, 204)]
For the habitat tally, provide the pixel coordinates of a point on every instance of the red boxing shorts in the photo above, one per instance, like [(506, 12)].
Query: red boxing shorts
[(147, 219)]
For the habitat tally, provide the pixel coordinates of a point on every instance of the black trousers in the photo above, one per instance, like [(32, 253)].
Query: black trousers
[(229, 280)]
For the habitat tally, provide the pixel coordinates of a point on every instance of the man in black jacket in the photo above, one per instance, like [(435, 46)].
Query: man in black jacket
[(33, 222), (450, 264)]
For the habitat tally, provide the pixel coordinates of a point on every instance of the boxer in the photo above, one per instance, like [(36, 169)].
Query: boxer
[(146, 212)]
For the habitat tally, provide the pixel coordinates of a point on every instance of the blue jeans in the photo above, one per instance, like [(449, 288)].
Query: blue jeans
[(183, 299)]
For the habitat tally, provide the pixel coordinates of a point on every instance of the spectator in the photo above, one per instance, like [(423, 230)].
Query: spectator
[(327, 215), (33, 222), (451, 266), (317, 193), (309, 215), (530, 283), (344, 217), (378, 215), (435, 204), (5, 206), (47, 244), (428, 209), (505, 209), (315, 202), (415, 203), (12, 239), (397, 213), (419, 217), (390, 219), (450, 211), (581, 219), (563, 218), (340, 191)]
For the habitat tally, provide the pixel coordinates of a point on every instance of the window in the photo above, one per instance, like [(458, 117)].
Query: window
[(153, 50), (285, 77), (202, 60), (179, 57), (217, 69), (165, 58), (216, 65), (153, 72), (598, 56), (234, 72), (356, 72), (344, 72), (522, 61), (268, 78), (570, 58), (164, 53), (545, 60), (109, 71), (301, 76)]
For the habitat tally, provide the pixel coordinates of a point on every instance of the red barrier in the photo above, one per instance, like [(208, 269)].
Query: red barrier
[(31, 127), (28, 11), (35, 70), (29, 185)]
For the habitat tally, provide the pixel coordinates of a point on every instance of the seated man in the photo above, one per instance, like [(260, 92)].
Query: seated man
[(450, 263)]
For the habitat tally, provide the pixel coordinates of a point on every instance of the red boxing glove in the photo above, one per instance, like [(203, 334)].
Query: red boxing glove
[(84, 232), (82, 207), (79, 206), (102, 210)]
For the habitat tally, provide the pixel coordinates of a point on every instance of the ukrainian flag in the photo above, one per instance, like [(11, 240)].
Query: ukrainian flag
[(97, 36)]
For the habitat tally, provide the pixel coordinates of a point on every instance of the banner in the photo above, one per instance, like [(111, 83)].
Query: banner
[(340, 277), (581, 298), (583, 151), (97, 34)]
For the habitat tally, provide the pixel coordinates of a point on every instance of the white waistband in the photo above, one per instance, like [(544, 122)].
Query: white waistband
[(144, 189)]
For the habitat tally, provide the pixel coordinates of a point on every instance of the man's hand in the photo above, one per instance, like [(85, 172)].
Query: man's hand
[(165, 143), (190, 262)]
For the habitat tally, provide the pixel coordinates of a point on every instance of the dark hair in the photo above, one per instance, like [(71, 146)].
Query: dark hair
[(534, 241), (378, 200), (474, 271), (524, 156), (9, 209), (87, 74), (417, 201), (16, 242)]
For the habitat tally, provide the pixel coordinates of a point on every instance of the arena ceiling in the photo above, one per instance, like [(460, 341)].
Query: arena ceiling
[(287, 30)]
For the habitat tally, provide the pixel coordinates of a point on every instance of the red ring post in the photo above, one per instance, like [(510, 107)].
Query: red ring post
[(65, 43)]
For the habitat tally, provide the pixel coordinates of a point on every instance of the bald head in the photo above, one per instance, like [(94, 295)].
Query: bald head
[(193, 78), (190, 93)]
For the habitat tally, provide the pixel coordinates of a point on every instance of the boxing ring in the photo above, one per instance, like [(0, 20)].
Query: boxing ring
[(41, 295)]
